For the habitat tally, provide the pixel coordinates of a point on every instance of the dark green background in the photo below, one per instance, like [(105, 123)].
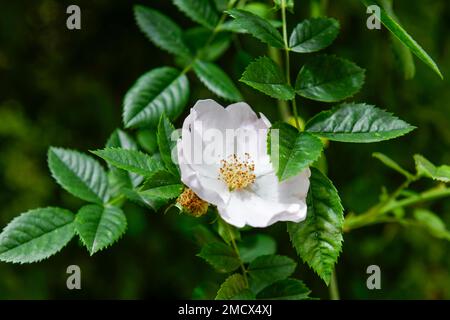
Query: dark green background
[(65, 88)]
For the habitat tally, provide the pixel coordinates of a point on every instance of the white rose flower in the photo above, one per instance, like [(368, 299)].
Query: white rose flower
[(236, 174)]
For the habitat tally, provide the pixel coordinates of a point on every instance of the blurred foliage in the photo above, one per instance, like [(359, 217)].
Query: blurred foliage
[(65, 88)]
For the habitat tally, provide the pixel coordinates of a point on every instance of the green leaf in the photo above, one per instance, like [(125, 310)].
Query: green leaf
[(160, 178), (264, 10), (78, 174), (359, 123), (233, 288), (258, 27), (119, 178), (265, 75), (158, 197), (257, 245), (161, 90), (158, 190), (318, 239), (202, 235), (147, 140), (220, 256), (392, 164), (402, 52), (246, 294), (227, 232), (130, 160), (161, 30), (221, 5), (404, 37), (201, 11), (287, 289), (432, 223), (291, 151), (313, 35), (121, 139), (232, 26), (167, 144), (199, 41), (265, 270), (329, 79), (427, 169), (216, 80), (36, 235), (235, 27), (99, 227)]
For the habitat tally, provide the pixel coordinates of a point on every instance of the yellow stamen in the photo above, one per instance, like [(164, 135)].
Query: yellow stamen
[(237, 173), (192, 204)]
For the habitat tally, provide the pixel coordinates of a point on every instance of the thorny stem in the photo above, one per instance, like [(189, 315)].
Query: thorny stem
[(236, 250), (287, 60)]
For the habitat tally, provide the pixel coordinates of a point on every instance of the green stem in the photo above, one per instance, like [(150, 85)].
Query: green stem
[(283, 106), (115, 200), (334, 290), (287, 60), (371, 215), (377, 214), (375, 210), (236, 250), (431, 194), (294, 108), (121, 197), (387, 219), (212, 36)]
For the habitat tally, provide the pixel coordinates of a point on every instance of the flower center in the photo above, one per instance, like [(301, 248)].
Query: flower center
[(237, 173), (192, 204)]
